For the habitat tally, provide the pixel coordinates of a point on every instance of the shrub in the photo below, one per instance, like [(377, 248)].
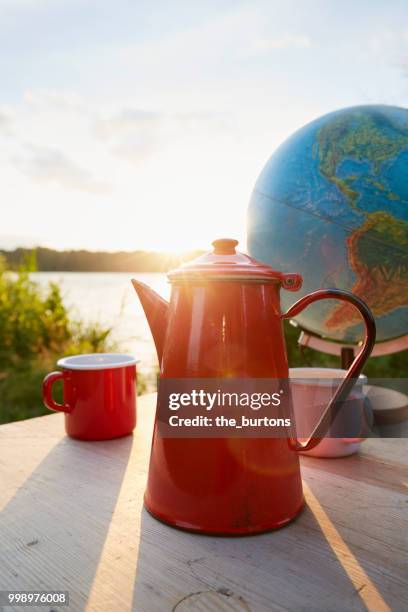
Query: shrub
[(35, 330)]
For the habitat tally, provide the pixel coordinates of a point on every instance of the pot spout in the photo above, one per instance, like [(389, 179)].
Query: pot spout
[(155, 308)]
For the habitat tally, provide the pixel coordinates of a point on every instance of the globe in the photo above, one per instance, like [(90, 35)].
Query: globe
[(332, 204)]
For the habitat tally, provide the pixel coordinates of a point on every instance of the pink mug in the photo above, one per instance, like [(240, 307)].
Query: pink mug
[(311, 389)]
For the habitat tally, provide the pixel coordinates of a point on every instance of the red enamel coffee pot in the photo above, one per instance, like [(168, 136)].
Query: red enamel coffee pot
[(224, 320)]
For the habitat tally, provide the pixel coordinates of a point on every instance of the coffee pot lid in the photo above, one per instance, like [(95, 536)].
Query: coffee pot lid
[(225, 263)]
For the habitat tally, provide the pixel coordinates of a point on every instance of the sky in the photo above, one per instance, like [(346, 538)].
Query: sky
[(143, 125)]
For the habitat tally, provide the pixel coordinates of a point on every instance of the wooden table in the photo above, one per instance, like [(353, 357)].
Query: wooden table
[(71, 518)]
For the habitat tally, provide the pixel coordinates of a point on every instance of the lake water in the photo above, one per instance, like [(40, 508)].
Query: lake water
[(109, 298)]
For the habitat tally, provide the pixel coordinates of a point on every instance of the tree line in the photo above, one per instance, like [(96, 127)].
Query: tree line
[(50, 260)]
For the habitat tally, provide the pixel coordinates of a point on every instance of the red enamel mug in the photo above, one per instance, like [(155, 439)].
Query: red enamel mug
[(99, 395)]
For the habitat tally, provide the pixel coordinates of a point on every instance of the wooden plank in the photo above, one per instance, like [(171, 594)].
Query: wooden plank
[(72, 518)]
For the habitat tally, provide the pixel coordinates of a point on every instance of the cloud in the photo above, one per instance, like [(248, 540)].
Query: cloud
[(136, 134), (59, 100), (48, 165), (388, 47), (6, 121), (132, 134), (125, 121), (296, 41)]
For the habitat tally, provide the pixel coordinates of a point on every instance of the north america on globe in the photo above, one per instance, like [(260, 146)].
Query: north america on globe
[(338, 188)]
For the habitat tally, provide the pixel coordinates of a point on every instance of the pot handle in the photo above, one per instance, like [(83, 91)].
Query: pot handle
[(353, 372)]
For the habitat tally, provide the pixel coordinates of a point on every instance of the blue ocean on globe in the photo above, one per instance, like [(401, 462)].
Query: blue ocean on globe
[(332, 205)]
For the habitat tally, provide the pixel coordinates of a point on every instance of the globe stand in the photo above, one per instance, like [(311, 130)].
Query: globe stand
[(346, 352)]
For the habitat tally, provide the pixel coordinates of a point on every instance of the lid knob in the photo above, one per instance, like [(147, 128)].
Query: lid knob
[(224, 246)]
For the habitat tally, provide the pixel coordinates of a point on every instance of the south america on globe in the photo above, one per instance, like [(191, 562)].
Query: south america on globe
[(332, 204)]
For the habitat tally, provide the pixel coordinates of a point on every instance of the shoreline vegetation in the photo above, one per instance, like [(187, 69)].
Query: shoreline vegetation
[(50, 260)]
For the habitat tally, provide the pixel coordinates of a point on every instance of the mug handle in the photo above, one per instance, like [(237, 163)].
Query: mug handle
[(353, 372), (48, 400)]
